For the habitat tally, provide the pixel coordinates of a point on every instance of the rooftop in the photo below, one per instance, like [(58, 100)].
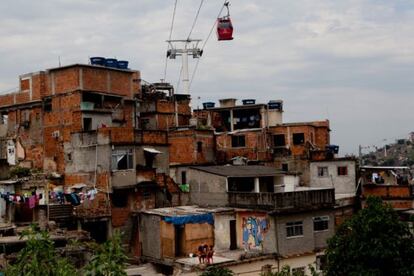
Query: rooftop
[(240, 171)]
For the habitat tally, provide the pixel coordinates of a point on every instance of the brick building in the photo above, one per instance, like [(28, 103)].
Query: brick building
[(82, 124)]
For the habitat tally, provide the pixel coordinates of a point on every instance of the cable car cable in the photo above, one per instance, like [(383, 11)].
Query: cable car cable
[(195, 19), (205, 41), (169, 37)]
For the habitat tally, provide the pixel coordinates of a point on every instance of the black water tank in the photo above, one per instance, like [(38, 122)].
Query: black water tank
[(248, 101)]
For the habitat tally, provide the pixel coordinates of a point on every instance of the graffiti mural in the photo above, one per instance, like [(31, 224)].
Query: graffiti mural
[(254, 230)]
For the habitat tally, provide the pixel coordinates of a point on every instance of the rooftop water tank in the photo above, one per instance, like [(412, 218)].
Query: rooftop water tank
[(208, 105), (123, 64), (111, 62), (278, 105), (98, 61), (248, 101)]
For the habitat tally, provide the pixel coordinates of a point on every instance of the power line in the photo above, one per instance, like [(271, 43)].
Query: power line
[(205, 42), (169, 38), (195, 19)]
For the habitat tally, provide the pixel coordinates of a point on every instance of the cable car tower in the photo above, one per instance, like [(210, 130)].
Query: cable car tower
[(186, 47)]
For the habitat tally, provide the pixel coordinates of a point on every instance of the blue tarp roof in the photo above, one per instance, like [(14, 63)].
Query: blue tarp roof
[(200, 218)]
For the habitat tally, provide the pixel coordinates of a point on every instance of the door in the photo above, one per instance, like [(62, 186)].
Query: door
[(233, 235)]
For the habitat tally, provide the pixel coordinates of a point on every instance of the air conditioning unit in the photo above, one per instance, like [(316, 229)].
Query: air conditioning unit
[(56, 134)]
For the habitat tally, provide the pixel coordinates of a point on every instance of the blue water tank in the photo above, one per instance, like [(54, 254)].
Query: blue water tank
[(111, 62), (333, 148), (208, 105), (123, 64), (98, 61)]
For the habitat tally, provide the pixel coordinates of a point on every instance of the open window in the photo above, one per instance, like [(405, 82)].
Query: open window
[(298, 138), (199, 146), (241, 184), (279, 140), (47, 104), (238, 141), (120, 198), (122, 159), (87, 124)]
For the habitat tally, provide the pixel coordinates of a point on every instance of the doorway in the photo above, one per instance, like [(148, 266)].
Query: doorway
[(179, 240), (233, 235)]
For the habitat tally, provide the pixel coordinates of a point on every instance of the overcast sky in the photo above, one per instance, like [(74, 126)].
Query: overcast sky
[(349, 61)]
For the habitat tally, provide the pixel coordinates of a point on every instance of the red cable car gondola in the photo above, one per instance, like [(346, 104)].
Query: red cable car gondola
[(224, 26)]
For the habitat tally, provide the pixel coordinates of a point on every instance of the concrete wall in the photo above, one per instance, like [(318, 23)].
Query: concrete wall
[(310, 239), (222, 230), (207, 189), (97, 119), (150, 234), (161, 160), (343, 184)]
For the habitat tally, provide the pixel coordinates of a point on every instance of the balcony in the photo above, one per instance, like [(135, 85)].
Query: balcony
[(283, 202)]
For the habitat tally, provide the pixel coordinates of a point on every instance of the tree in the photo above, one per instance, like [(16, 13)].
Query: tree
[(109, 258), (372, 242), (39, 257)]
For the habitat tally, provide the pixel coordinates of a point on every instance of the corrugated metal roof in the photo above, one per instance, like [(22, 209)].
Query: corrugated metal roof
[(240, 171)]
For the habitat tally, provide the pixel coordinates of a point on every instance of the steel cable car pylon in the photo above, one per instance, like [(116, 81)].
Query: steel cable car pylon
[(224, 26)]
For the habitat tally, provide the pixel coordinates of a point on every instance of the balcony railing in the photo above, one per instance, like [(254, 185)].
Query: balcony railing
[(286, 201)]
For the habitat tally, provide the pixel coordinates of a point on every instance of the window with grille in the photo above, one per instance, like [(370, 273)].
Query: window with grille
[(323, 172), (294, 229), (320, 223), (343, 170)]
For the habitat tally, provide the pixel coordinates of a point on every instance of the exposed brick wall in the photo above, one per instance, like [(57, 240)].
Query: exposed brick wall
[(65, 80), (95, 79)]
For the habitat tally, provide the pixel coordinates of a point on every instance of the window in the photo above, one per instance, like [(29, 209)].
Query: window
[(323, 171), (298, 138), (122, 159), (343, 170), (298, 271), (120, 198), (285, 167), (320, 223), (238, 141), (87, 124), (183, 177), (199, 146), (47, 104), (279, 140), (294, 229)]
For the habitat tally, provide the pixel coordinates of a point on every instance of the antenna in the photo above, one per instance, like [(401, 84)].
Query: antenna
[(59, 61), (188, 49)]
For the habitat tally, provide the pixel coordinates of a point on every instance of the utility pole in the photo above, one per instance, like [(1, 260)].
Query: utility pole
[(185, 49)]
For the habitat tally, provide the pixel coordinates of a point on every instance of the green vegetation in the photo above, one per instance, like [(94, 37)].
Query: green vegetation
[(109, 259), (19, 172), (39, 257), (372, 242)]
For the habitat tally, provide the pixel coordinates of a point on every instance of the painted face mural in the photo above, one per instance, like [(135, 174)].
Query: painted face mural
[(254, 229)]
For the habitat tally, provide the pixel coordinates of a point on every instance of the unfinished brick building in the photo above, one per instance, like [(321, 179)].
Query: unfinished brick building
[(82, 124)]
